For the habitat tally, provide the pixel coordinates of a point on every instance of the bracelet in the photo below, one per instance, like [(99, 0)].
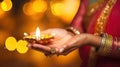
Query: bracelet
[(106, 45), (73, 30), (102, 43)]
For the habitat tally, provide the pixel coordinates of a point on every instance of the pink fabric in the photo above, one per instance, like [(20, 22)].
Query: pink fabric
[(77, 21), (84, 51), (113, 28)]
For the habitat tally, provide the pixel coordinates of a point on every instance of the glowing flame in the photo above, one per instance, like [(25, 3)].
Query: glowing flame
[(37, 33), (25, 34)]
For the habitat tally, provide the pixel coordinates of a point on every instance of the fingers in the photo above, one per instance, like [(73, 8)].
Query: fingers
[(69, 46), (40, 47), (47, 50), (66, 50)]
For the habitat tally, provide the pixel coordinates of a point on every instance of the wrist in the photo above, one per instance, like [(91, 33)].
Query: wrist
[(88, 39), (85, 39), (94, 40)]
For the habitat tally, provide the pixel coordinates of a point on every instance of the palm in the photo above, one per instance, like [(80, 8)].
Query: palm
[(60, 38)]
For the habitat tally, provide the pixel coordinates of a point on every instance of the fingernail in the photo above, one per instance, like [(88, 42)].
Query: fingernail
[(61, 50)]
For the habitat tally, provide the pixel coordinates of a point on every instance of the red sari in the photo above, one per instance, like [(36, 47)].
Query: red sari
[(112, 28)]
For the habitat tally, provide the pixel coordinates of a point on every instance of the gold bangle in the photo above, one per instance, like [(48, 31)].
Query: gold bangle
[(108, 45), (106, 49), (73, 30), (102, 43)]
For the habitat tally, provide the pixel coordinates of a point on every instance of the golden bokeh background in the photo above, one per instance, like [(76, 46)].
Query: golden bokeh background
[(19, 16)]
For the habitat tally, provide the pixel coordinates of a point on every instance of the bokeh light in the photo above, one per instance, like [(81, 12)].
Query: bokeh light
[(39, 6), (22, 46), (35, 7), (57, 9), (27, 9), (65, 9), (6, 5), (11, 43)]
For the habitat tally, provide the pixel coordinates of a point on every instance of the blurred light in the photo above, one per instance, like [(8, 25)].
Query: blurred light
[(34, 7), (25, 34), (39, 6), (22, 46), (57, 9), (65, 10), (70, 9), (37, 33), (27, 9), (6, 5), (11, 43)]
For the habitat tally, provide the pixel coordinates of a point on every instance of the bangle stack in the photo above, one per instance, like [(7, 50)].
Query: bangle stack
[(106, 45), (73, 30)]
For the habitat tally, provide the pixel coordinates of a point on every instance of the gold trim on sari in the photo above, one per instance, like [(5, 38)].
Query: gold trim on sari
[(100, 29)]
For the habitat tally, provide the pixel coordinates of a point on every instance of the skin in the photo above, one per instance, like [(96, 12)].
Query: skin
[(65, 42)]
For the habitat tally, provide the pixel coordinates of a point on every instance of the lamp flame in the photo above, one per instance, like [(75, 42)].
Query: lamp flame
[(25, 34), (37, 33)]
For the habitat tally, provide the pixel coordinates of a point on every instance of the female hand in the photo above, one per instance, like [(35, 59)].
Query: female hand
[(60, 38)]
